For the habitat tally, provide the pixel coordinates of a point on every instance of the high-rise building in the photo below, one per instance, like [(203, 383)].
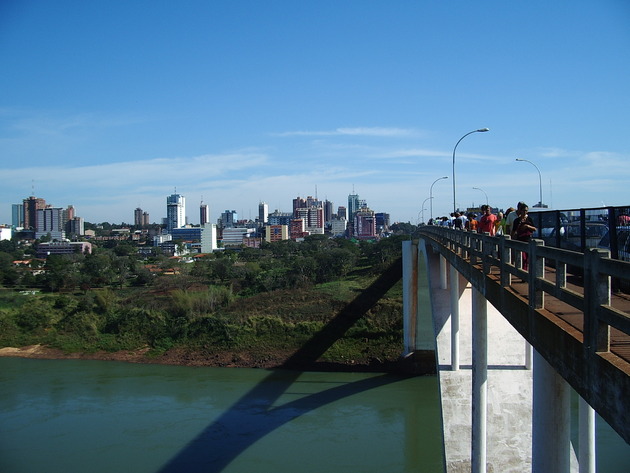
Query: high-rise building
[(276, 233), (208, 237), (353, 206), (175, 211), (263, 213), (137, 217), (75, 226), (365, 224), (298, 203), (312, 218), (328, 210), (203, 214), (342, 212), (229, 219), (50, 222), (17, 216), (31, 206)]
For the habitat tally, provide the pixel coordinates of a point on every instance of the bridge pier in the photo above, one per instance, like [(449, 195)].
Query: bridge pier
[(479, 381), (551, 427), (454, 293), (586, 453)]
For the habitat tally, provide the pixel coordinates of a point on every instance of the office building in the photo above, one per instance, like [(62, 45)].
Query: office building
[(228, 219), (49, 221), (17, 216), (353, 206)]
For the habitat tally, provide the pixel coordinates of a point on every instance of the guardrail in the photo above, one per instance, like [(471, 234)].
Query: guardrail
[(503, 257)]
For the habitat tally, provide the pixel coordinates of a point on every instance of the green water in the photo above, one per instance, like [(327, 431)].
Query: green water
[(89, 416)]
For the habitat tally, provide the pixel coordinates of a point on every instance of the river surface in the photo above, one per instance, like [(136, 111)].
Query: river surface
[(72, 416)]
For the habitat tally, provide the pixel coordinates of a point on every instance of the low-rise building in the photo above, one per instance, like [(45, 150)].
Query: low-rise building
[(63, 248)]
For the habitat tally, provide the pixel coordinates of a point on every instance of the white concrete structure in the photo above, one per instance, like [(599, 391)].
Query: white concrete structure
[(208, 238)]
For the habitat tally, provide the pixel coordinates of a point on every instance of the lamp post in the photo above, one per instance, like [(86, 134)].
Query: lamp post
[(423, 209), (484, 193), (540, 203), (480, 130), (431, 194)]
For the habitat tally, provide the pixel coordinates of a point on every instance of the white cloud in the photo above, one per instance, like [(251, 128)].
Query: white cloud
[(355, 131)]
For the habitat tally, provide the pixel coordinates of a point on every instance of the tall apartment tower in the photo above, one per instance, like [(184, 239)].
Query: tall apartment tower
[(175, 211), (203, 214), (137, 217), (353, 205), (328, 210), (31, 206), (263, 213), (365, 224)]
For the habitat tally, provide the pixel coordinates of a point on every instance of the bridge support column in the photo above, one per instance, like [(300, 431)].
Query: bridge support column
[(479, 381), (587, 455), (443, 271), (454, 280), (410, 295), (551, 424)]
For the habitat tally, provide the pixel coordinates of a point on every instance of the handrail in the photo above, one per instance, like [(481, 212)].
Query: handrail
[(504, 254)]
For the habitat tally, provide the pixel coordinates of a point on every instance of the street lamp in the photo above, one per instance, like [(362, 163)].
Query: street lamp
[(540, 203), (423, 209), (431, 194), (484, 193), (481, 130)]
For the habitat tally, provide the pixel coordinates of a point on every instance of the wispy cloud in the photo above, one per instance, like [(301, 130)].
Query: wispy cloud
[(355, 131)]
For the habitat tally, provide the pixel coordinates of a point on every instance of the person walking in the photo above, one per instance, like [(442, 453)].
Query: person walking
[(522, 230), (487, 220)]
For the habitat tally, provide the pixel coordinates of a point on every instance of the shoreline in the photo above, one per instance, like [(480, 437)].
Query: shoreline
[(181, 357)]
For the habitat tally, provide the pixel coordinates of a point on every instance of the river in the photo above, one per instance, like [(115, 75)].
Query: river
[(76, 416)]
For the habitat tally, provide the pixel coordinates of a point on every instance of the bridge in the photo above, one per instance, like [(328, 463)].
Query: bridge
[(574, 331)]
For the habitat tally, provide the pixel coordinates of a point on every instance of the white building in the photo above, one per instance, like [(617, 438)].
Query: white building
[(263, 212), (5, 233), (338, 226), (208, 238), (234, 236), (175, 211)]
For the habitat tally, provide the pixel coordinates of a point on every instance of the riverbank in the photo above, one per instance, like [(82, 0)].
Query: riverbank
[(419, 364)]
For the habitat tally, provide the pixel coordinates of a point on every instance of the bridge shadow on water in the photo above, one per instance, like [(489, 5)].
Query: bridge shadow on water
[(254, 415)]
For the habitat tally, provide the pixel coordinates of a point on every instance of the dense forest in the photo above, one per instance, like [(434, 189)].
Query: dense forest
[(249, 307)]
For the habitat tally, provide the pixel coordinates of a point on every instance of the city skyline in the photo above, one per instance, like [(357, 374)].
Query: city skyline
[(244, 102)]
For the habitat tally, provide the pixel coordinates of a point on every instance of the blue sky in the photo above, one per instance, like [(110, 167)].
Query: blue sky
[(111, 105)]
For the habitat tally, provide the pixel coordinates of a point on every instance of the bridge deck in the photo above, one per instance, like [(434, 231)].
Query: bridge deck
[(572, 319)]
